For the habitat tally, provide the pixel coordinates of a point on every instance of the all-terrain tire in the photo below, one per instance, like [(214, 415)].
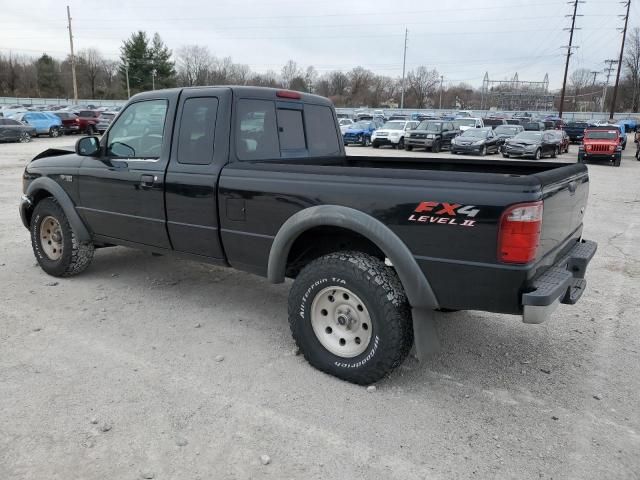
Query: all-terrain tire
[(75, 257), (379, 289)]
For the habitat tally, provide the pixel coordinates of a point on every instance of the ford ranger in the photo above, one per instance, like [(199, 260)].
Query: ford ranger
[(378, 247)]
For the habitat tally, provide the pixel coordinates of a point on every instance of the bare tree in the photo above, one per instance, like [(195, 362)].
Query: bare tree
[(631, 65), (289, 72), (240, 74), (579, 81), (422, 83), (91, 65), (360, 80), (193, 64), (310, 77), (338, 84)]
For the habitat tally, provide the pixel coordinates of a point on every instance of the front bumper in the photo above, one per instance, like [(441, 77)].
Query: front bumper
[(564, 282), (419, 142), (518, 152), (466, 148), (385, 140)]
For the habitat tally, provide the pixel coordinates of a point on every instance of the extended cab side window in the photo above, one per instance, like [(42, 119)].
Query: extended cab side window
[(139, 130), (320, 125), (197, 127), (256, 133)]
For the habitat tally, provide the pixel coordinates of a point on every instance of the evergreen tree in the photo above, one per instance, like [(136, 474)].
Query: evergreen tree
[(48, 72), (143, 58)]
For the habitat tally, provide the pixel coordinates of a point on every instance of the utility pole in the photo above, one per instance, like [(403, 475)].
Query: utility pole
[(595, 74), (404, 64), (441, 80), (73, 58), (126, 71), (624, 36), (609, 69), (153, 79), (569, 47)]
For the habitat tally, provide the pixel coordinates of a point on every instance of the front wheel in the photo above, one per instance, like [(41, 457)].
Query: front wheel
[(350, 317), (408, 148), (483, 151), (25, 137), (435, 148), (538, 154), (554, 154), (90, 130), (54, 242), (401, 144)]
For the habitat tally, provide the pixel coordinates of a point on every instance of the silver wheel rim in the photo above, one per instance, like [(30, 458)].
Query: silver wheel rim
[(341, 322), (25, 137), (51, 237)]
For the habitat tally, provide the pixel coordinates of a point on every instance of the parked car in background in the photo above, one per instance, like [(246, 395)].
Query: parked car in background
[(463, 124), (508, 131), (70, 122), (534, 126), (575, 130), (601, 143), (530, 144), (104, 120), (513, 121), (554, 123), (562, 140), (464, 113), (392, 133), (431, 134), (477, 140), (42, 123), (88, 121), (345, 123), (13, 131), (360, 132), (493, 122)]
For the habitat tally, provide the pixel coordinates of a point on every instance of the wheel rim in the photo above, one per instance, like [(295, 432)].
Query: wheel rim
[(537, 154), (25, 137), (51, 237), (341, 322), (54, 132)]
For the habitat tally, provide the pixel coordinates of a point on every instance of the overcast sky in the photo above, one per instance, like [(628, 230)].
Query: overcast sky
[(461, 39)]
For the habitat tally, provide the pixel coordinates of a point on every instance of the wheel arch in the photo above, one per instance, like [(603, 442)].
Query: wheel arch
[(45, 187), (416, 286)]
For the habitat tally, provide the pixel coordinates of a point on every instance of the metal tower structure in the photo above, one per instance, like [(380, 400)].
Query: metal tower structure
[(516, 94)]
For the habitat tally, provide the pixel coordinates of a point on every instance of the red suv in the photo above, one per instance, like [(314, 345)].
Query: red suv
[(601, 143)]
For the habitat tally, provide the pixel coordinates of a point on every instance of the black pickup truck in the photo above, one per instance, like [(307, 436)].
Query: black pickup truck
[(257, 179)]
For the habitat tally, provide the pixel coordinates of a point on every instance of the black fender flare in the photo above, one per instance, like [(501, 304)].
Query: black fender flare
[(56, 191), (416, 286)]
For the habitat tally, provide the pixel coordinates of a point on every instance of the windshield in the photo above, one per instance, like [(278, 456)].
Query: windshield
[(346, 121), (577, 125), (463, 122), (602, 135), (430, 126), (394, 126), (505, 129), (476, 133), (535, 136), (361, 125)]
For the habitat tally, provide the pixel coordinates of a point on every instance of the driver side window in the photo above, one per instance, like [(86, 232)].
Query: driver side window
[(138, 131)]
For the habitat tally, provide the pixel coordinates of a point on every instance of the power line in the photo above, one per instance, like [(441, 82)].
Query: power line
[(569, 48)]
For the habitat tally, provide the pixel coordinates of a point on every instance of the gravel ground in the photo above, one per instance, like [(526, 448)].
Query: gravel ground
[(154, 367)]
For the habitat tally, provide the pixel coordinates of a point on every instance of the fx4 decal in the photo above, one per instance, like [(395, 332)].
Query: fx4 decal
[(443, 213)]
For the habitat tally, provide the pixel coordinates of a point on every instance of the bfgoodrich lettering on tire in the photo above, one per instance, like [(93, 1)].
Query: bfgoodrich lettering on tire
[(350, 318), (54, 243)]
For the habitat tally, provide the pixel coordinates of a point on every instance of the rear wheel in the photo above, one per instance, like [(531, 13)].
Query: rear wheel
[(90, 130), (350, 318), (538, 154), (505, 155), (375, 145), (54, 132), (25, 137), (483, 151), (55, 245)]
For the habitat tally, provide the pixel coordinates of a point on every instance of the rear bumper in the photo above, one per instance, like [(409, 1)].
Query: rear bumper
[(564, 282)]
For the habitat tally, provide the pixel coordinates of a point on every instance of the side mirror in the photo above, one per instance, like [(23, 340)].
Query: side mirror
[(88, 146)]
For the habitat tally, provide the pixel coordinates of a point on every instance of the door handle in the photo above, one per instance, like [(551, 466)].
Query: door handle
[(147, 180)]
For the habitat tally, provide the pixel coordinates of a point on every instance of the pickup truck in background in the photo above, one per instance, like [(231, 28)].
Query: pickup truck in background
[(575, 130), (257, 179)]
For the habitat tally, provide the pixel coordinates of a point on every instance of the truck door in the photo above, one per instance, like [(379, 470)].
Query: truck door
[(122, 191), (200, 150)]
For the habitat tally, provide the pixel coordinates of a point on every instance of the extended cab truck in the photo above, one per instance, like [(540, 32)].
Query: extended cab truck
[(257, 179)]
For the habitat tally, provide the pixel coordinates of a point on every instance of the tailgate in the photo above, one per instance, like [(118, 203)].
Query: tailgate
[(565, 201)]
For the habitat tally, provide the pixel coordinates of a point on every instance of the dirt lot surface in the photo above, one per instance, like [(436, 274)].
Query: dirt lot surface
[(115, 374)]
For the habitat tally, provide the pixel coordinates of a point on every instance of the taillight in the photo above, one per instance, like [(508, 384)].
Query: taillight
[(76, 121), (519, 233)]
